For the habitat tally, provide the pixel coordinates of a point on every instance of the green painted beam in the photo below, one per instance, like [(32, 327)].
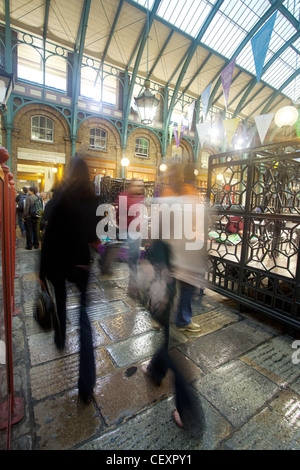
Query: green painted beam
[(142, 45), (276, 93), (78, 53), (252, 83), (112, 32), (191, 52)]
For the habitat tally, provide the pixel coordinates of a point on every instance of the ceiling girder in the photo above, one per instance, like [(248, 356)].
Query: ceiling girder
[(191, 52), (143, 42), (251, 33), (161, 52), (77, 56), (112, 32), (252, 82)]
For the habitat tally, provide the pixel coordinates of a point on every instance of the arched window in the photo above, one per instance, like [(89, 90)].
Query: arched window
[(142, 148), (42, 128), (98, 139)]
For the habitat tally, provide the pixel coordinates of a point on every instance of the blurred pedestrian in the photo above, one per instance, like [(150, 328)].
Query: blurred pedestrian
[(187, 267), (65, 256), (31, 214), (134, 195), (186, 272), (20, 200)]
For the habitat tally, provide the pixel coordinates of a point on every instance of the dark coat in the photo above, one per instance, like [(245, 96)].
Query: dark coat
[(70, 229)]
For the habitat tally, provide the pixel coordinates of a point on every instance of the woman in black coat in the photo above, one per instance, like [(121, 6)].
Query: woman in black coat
[(65, 256)]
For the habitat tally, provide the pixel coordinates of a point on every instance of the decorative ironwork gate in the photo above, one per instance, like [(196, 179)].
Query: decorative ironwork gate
[(253, 228)]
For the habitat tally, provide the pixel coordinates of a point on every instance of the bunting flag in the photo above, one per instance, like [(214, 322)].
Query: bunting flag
[(171, 127), (230, 126), (263, 122), (297, 124), (203, 129), (205, 99), (191, 114), (260, 44), (226, 77), (178, 133)]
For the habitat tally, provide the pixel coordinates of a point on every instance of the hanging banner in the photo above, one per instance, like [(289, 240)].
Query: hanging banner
[(203, 129), (263, 122), (226, 78), (205, 99), (178, 133), (230, 126), (260, 44), (171, 127), (191, 114), (297, 124)]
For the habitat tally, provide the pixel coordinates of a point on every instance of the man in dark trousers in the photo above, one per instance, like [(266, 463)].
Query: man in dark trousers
[(20, 200), (33, 204)]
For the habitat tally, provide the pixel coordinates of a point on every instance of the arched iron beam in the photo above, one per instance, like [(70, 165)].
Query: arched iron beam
[(112, 32), (251, 33), (252, 83), (191, 51), (143, 42)]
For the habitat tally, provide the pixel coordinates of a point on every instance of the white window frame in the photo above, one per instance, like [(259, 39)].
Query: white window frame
[(47, 128), (138, 148), (102, 137)]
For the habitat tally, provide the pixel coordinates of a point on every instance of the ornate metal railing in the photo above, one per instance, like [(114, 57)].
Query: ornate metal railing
[(253, 228)]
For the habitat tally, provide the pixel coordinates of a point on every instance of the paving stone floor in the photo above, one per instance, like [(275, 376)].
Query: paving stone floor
[(240, 368)]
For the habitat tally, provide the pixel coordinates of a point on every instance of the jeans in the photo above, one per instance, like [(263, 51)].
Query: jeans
[(133, 258), (21, 223), (32, 238), (87, 371), (184, 313), (186, 400)]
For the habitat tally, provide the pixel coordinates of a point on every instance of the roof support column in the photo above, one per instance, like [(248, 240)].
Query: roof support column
[(78, 53)]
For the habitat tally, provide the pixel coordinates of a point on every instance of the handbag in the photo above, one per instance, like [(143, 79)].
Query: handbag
[(156, 285), (45, 311)]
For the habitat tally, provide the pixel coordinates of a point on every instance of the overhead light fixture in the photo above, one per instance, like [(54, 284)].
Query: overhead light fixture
[(286, 116), (196, 172), (6, 85), (146, 102), (54, 169)]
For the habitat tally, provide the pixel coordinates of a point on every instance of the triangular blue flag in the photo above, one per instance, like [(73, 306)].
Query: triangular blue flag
[(205, 99), (260, 44)]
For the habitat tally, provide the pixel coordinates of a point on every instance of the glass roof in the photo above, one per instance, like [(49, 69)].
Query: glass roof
[(231, 25)]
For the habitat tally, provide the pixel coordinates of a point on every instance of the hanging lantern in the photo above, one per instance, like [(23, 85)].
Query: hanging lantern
[(146, 104), (6, 84), (286, 116)]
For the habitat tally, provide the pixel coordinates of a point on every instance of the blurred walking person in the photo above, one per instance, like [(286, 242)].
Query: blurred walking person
[(65, 256)]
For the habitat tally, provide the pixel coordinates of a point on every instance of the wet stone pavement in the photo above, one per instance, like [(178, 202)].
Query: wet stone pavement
[(240, 368)]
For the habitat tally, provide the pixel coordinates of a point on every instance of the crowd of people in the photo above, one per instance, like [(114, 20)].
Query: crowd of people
[(68, 222)]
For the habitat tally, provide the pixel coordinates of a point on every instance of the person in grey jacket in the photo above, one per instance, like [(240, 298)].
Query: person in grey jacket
[(30, 221)]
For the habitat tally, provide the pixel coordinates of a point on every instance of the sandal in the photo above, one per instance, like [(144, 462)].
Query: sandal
[(177, 419)]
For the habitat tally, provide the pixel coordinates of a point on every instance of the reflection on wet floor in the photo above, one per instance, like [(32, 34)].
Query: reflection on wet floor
[(239, 365)]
